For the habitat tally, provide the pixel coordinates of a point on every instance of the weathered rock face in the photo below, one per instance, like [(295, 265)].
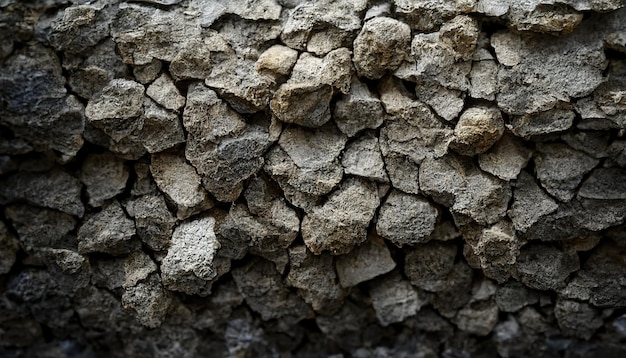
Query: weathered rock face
[(243, 178)]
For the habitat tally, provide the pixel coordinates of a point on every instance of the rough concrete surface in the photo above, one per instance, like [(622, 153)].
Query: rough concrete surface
[(300, 178)]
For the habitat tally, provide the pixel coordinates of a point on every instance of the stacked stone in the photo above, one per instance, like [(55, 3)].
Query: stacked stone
[(346, 178)]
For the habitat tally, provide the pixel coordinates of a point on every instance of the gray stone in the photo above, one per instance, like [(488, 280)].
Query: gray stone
[(394, 299), (153, 220), (428, 15), (316, 280), (266, 294), (506, 158), (302, 176), (497, 249), (406, 219), (180, 183), (144, 184), (189, 264), (345, 326), (478, 318), (536, 85), (117, 109), (149, 72), (365, 262), (358, 110), (149, 300), (340, 16), (605, 184), (477, 130), (277, 61), (560, 169), (545, 267), (109, 231), (483, 79), (161, 130), (54, 189), (512, 296), (381, 46), (578, 319), (10, 246), (79, 27), (39, 227), (342, 222), (428, 265), (105, 176), (554, 120), (530, 203), (363, 158), (164, 92), (403, 173)]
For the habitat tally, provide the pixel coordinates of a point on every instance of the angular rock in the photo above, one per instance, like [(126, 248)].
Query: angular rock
[(161, 130), (277, 61), (10, 246), (560, 169), (512, 296), (222, 147), (79, 27), (365, 262), (506, 158), (108, 231), (363, 158), (315, 278), (164, 92), (149, 72), (479, 318), (381, 46), (535, 85), (37, 108), (554, 120), (189, 264), (477, 130), (403, 173), (105, 176), (342, 222), (302, 176), (340, 17), (39, 227), (180, 183), (497, 249), (149, 300), (530, 203), (428, 15), (117, 109), (54, 189), (153, 220), (358, 110), (428, 265), (305, 98), (344, 327), (237, 82), (545, 267), (483, 79), (394, 299), (605, 184), (577, 319), (266, 294), (406, 219)]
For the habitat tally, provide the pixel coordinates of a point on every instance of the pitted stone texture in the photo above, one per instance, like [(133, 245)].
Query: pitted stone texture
[(545, 267), (153, 220), (306, 163), (560, 169), (10, 246), (315, 278), (341, 223), (266, 294), (40, 227), (477, 130), (109, 231), (363, 158), (54, 189), (189, 264), (381, 46), (105, 176), (428, 265), (506, 158), (406, 219), (180, 183), (358, 110), (366, 261), (530, 203), (394, 299)]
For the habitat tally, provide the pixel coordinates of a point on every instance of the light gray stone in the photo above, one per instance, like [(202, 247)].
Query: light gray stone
[(406, 219), (366, 261)]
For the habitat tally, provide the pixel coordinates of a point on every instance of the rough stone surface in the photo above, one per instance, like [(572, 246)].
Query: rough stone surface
[(406, 219), (296, 178)]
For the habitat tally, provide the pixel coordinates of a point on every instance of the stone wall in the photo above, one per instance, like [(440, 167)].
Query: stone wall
[(289, 178)]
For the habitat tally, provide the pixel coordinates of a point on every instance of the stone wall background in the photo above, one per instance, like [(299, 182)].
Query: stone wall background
[(252, 178)]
